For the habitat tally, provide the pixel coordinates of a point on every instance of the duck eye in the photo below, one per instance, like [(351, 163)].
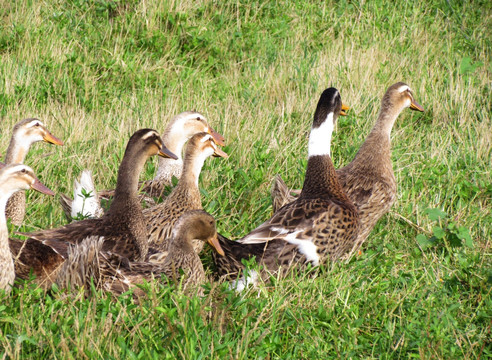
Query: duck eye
[(23, 171)]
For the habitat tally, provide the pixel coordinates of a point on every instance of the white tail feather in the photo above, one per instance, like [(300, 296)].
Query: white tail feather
[(87, 205)]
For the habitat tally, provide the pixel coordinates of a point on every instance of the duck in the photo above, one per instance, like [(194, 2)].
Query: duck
[(368, 180), (13, 178), (24, 134), (123, 226), (87, 263), (162, 217), (180, 129), (320, 225)]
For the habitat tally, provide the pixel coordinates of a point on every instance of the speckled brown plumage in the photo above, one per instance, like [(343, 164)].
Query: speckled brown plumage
[(368, 180), (123, 227), (184, 197), (321, 224), (117, 274), (24, 134)]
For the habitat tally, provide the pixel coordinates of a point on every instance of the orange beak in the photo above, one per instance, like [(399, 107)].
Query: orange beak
[(219, 139), (52, 139), (220, 153), (344, 108), (416, 106), (214, 242)]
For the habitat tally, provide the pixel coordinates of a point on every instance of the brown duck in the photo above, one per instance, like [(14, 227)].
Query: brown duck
[(184, 197), (368, 180), (321, 224), (123, 227), (111, 272), (25, 133), (13, 178)]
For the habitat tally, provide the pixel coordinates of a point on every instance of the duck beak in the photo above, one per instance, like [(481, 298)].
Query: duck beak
[(214, 242), (219, 139), (416, 106), (165, 152), (52, 139), (344, 108), (220, 153), (38, 186)]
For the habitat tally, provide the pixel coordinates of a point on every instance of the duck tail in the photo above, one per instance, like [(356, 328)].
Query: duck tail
[(280, 193), (85, 199), (235, 254)]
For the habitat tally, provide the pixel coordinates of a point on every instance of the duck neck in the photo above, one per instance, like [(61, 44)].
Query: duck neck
[(181, 245), (174, 141), (3, 220), (127, 184), (7, 273), (17, 150), (192, 166), (378, 143), (386, 119), (321, 179)]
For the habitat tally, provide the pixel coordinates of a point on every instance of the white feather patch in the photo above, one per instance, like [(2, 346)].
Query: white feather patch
[(305, 247), (403, 88), (206, 138), (34, 123), (320, 138), (87, 206), (149, 134), (250, 279)]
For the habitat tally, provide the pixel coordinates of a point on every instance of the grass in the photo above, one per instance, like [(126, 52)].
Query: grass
[(97, 70)]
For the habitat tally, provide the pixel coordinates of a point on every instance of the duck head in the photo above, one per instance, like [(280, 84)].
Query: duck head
[(401, 96), (326, 114), (197, 224), (17, 177), (32, 130), (186, 124), (149, 142)]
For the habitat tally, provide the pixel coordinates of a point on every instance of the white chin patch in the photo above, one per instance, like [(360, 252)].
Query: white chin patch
[(320, 138), (403, 88)]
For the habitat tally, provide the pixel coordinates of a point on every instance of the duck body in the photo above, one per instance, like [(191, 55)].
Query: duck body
[(25, 133), (321, 224), (123, 227), (117, 274), (369, 180)]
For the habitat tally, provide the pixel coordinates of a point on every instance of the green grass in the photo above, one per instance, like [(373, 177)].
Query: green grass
[(96, 71)]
